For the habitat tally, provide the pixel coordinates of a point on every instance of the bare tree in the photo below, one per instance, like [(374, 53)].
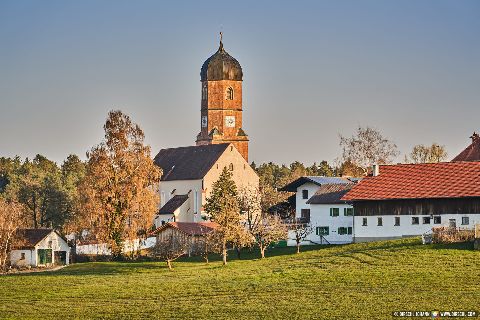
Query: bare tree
[(11, 219), (209, 244), (268, 230), (171, 248), (301, 231), (427, 154), (366, 147)]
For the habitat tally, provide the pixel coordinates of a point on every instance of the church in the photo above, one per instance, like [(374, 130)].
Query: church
[(189, 172)]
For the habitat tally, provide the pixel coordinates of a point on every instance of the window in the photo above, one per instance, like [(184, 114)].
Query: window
[(195, 202), (426, 220), (437, 219), (50, 244), (204, 91), (334, 212), (305, 214), (465, 220), (379, 221), (230, 167), (304, 194), (230, 93), (415, 220), (397, 221), (348, 211), (22, 256), (322, 231), (349, 230), (342, 230), (364, 222)]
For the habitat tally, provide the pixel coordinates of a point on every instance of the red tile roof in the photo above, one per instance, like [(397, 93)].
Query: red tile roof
[(190, 228), (426, 180)]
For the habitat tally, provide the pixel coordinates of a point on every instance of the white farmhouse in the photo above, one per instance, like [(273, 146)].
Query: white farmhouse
[(40, 247), (330, 217), (188, 176)]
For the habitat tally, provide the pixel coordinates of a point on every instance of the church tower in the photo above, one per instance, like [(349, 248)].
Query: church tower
[(221, 102)]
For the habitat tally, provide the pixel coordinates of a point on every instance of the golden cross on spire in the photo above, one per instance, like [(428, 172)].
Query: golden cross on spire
[(221, 36)]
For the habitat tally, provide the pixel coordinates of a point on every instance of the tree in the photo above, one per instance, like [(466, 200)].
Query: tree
[(222, 207), (119, 190), (171, 248), (366, 147), (427, 154), (11, 219), (268, 230), (301, 231)]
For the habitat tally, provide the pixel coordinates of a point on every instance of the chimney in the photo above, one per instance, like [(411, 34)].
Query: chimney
[(375, 169), (475, 137)]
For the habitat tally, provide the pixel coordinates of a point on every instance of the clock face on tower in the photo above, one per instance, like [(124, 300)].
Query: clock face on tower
[(230, 121), (204, 121)]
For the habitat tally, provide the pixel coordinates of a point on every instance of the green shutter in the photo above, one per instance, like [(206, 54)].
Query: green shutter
[(331, 212)]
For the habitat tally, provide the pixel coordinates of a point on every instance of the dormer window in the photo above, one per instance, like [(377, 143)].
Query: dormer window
[(230, 93)]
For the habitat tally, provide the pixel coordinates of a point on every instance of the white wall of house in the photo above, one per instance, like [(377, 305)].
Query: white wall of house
[(320, 218), (388, 230), (190, 210), (23, 258), (301, 201)]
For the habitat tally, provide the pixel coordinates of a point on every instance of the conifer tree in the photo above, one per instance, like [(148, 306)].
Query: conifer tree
[(223, 208)]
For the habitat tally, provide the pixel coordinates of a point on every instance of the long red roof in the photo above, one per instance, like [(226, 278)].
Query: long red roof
[(414, 181)]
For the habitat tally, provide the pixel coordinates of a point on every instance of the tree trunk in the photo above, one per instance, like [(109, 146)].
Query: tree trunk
[(262, 251), (238, 253), (34, 212), (298, 247), (169, 264), (224, 253)]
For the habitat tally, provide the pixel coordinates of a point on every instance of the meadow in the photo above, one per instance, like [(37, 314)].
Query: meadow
[(357, 281)]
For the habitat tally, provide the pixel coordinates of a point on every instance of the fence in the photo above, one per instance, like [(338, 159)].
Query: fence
[(449, 234)]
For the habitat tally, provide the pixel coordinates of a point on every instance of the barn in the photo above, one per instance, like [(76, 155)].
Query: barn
[(409, 199), (39, 247)]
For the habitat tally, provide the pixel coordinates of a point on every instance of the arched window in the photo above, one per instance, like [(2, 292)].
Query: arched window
[(204, 92), (230, 93), (230, 167)]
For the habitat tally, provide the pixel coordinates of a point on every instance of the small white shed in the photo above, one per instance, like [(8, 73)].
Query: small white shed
[(40, 247)]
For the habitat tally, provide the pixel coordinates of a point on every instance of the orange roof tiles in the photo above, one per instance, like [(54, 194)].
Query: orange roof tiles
[(426, 180)]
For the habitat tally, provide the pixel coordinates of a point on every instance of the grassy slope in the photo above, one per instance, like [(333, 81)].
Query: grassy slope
[(352, 281)]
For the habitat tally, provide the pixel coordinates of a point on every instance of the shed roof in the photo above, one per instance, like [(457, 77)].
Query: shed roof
[(188, 163), (420, 181), (173, 204), (318, 180), (330, 193)]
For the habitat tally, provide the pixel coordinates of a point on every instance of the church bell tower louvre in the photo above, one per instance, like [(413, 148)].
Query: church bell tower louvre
[(221, 102)]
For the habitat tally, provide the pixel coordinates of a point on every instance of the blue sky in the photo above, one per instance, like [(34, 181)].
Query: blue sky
[(312, 70)]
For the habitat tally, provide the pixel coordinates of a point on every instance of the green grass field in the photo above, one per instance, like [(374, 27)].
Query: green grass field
[(358, 281)]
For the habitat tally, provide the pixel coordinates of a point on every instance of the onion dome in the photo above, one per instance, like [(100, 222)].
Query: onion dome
[(221, 66)]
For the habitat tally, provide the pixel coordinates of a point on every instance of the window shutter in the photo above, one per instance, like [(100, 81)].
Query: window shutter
[(331, 212)]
